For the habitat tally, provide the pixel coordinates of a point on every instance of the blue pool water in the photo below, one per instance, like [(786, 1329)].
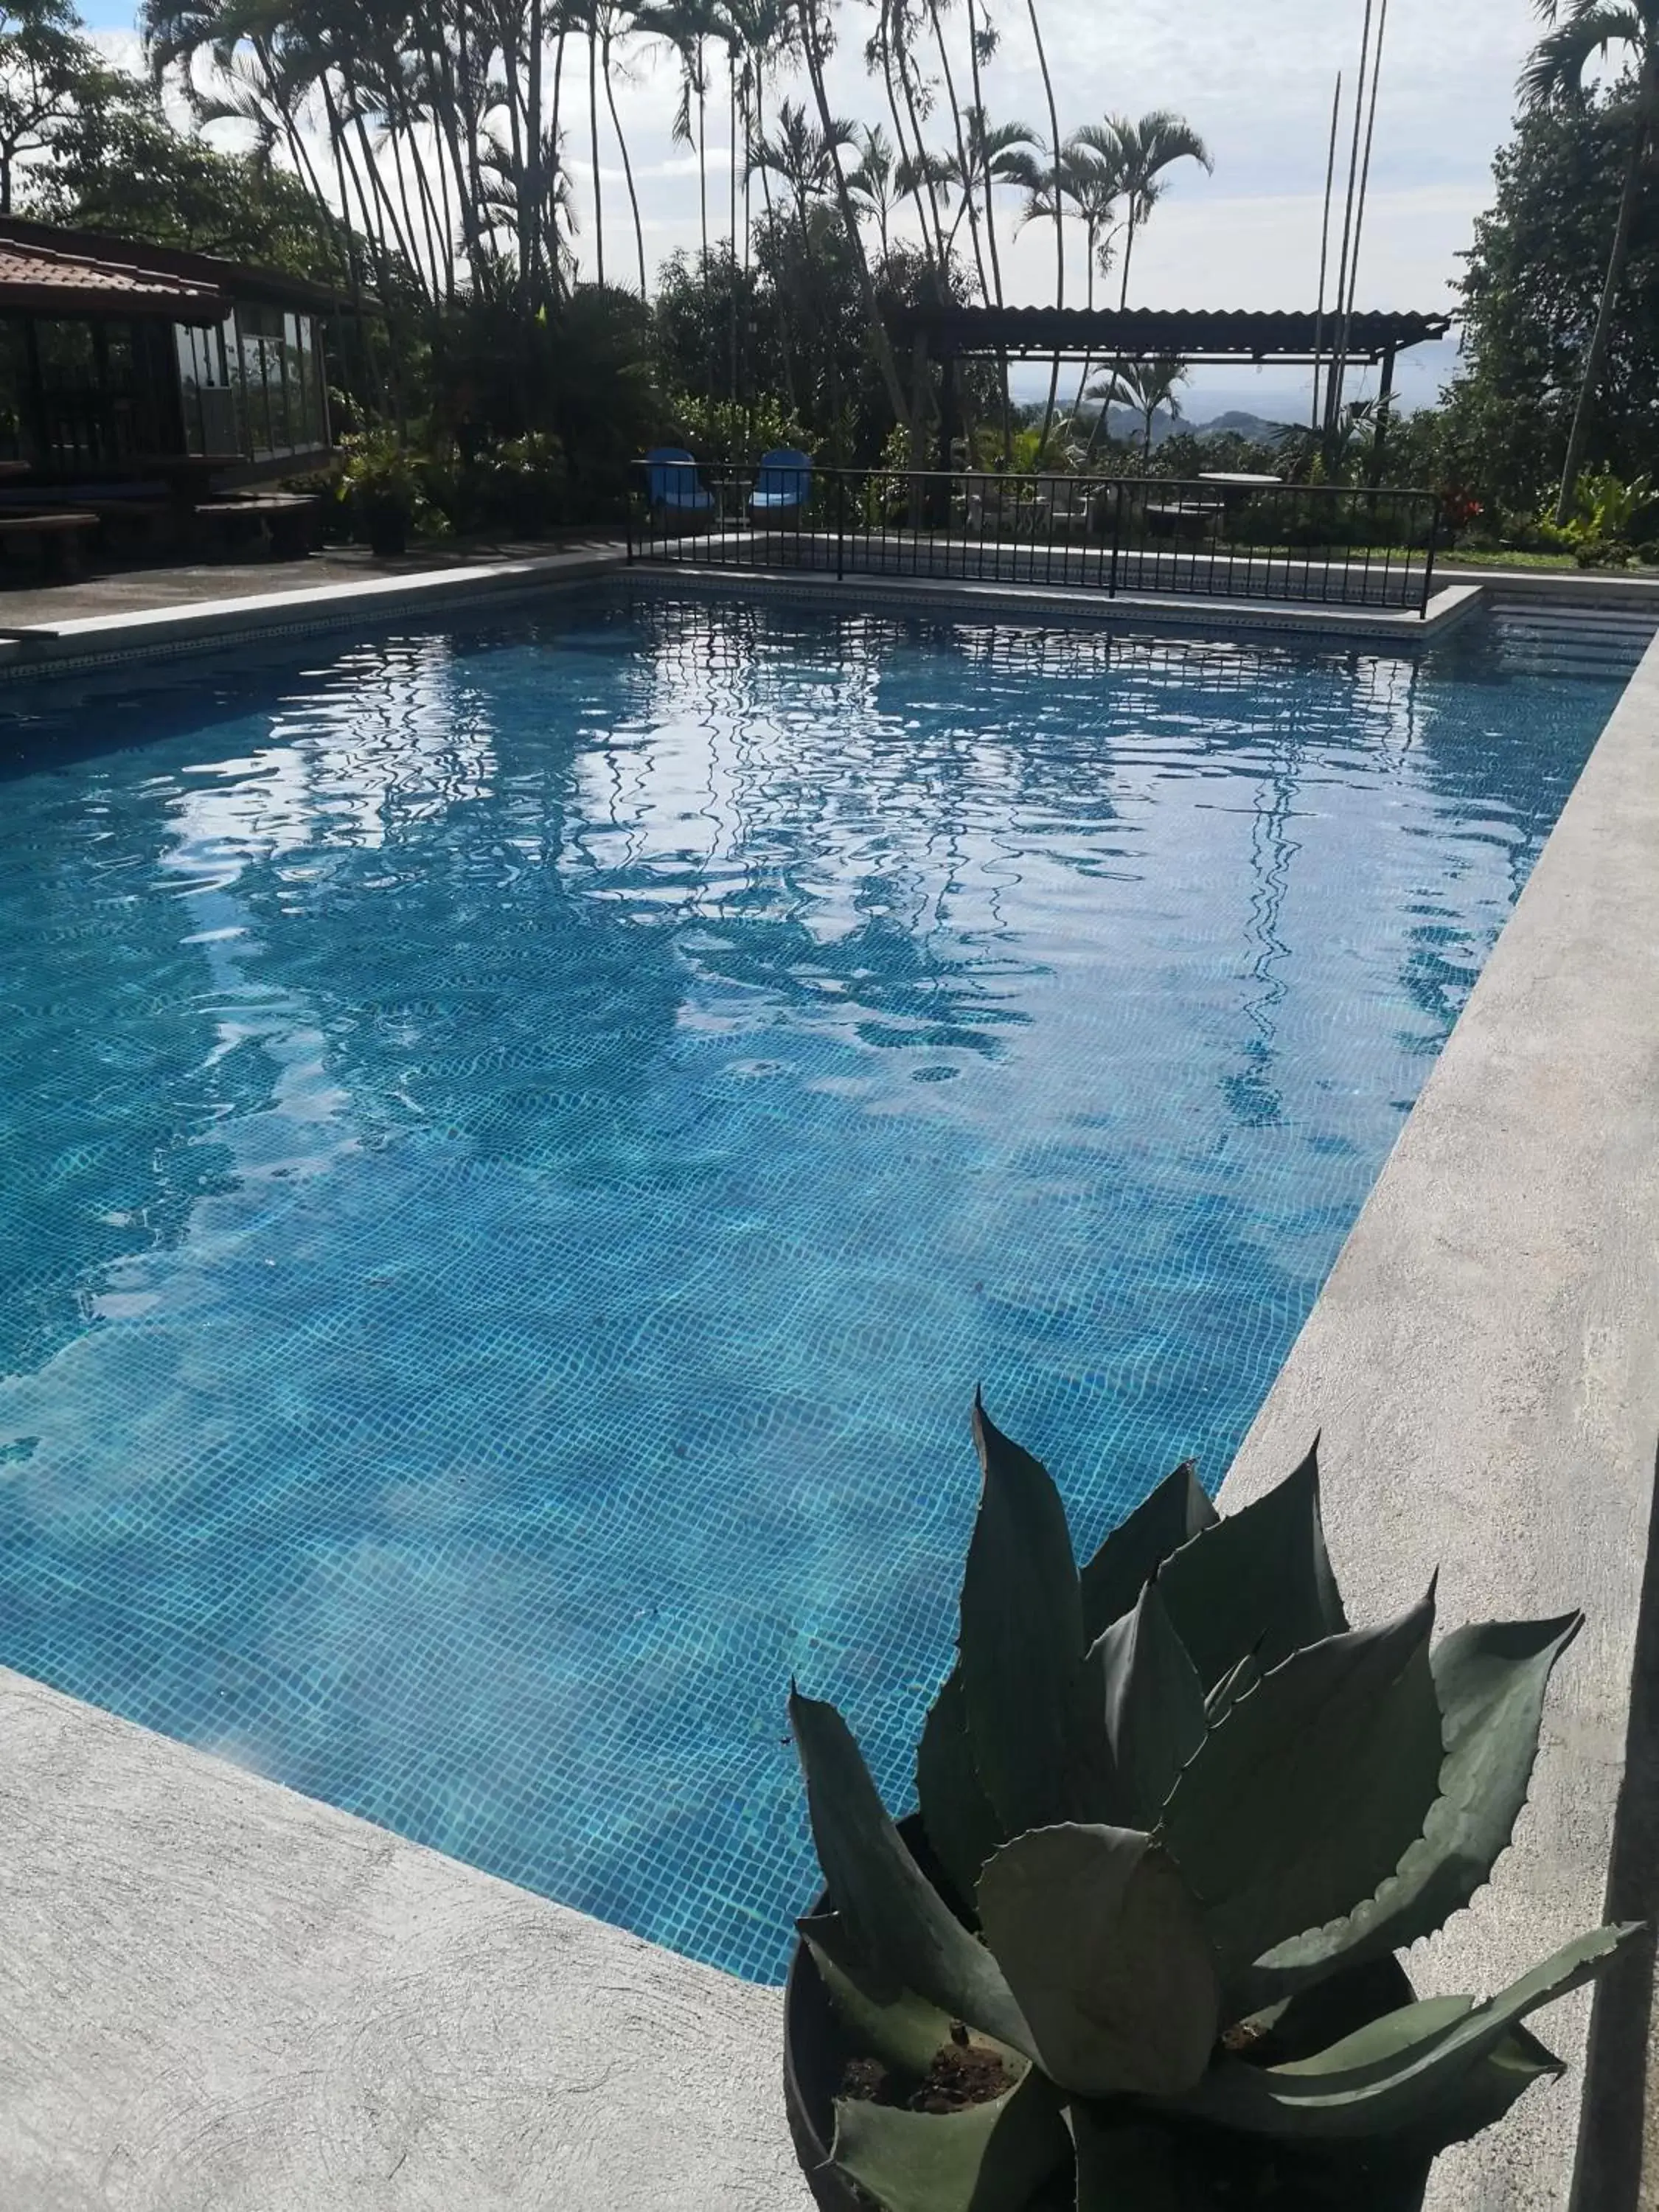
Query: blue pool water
[(516, 1146)]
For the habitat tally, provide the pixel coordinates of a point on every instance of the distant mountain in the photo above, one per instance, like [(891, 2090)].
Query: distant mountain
[(1235, 422)]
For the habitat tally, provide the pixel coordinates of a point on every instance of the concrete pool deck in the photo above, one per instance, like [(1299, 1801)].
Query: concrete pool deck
[(218, 1994), (1484, 1365)]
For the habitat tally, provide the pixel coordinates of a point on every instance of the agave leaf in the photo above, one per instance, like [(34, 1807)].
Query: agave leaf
[(1154, 1719), (1038, 1735), (905, 2032), (1124, 2165), (1482, 2095), (1258, 1581), (1105, 1950), (1231, 1687), (1139, 1545), (1311, 1789), (1411, 2070), (957, 1815), (1490, 1680), (989, 2158), (899, 1929)]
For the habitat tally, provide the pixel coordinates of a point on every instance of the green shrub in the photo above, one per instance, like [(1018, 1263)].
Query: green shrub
[(1181, 1812)]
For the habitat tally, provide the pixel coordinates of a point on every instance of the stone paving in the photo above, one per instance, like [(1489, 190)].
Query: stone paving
[(133, 590)]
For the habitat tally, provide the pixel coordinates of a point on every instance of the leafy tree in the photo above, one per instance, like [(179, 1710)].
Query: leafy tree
[(1532, 294), (50, 74), (1144, 386), (120, 166), (1580, 30)]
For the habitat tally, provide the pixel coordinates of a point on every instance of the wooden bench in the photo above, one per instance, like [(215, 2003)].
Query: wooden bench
[(286, 521), (58, 542)]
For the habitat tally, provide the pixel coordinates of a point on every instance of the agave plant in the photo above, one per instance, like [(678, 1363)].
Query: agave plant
[(1178, 1815)]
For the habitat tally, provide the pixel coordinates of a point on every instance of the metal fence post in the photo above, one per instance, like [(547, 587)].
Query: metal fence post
[(1428, 564), (1117, 536), (840, 525), (627, 508)]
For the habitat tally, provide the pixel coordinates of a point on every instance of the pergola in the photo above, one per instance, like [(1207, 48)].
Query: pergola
[(1203, 336)]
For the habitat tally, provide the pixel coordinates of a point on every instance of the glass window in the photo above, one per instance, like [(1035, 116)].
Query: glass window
[(14, 388), (253, 377), (187, 344), (310, 363)]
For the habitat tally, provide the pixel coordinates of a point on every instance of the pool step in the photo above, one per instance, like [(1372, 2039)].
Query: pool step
[(1588, 633)]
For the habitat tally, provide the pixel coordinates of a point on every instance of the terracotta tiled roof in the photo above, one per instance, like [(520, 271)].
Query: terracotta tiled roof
[(48, 281)]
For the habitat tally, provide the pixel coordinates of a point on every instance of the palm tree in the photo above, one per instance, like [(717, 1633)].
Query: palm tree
[(1145, 385), (798, 153), (614, 25), (1578, 30), (890, 50), (686, 26), (1094, 186), (815, 36), (1137, 155), (1060, 212), (998, 153), (874, 183)]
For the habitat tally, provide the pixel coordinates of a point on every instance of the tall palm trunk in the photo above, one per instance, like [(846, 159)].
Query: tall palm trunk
[(879, 338), (1601, 337), (594, 142), (1100, 422), (1091, 241), (786, 351), (963, 168), (732, 222), (1060, 212), (884, 38), (907, 85), (990, 191), (532, 193), (628, 167)]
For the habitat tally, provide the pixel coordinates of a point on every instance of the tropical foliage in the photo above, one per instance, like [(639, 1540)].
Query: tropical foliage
[(449, 165), (1179, 1815)]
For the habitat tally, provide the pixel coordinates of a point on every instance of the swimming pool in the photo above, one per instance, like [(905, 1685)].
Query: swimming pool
[(517, 1143)]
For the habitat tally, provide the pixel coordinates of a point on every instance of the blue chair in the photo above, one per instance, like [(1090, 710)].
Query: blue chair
[(672, 482), (783, 484)]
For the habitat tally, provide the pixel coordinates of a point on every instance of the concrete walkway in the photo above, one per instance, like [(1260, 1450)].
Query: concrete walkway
[(218, 1996), (134, 591)]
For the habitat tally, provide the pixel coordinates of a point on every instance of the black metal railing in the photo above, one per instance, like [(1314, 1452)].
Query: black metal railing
[(1216, 538)]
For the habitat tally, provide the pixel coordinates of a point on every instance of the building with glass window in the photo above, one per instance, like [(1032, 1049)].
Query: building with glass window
[(121, 360)]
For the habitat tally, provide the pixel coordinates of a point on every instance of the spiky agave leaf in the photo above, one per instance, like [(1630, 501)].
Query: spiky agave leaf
[(1311, 1789), (988, 2158), (1170, 1517), (1102, 1945), (901, 1932), (1258, 1581), (1034, 1713), (1154, 1705), (960, 1820), (901, 2030), (1490, 1680), (1415, 2068)]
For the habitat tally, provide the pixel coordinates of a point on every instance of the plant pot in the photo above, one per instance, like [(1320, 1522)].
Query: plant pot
[(388, 531), (1223, 2171)]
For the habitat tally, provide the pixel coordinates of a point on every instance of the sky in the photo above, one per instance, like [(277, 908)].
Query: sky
[(1256, 78)]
